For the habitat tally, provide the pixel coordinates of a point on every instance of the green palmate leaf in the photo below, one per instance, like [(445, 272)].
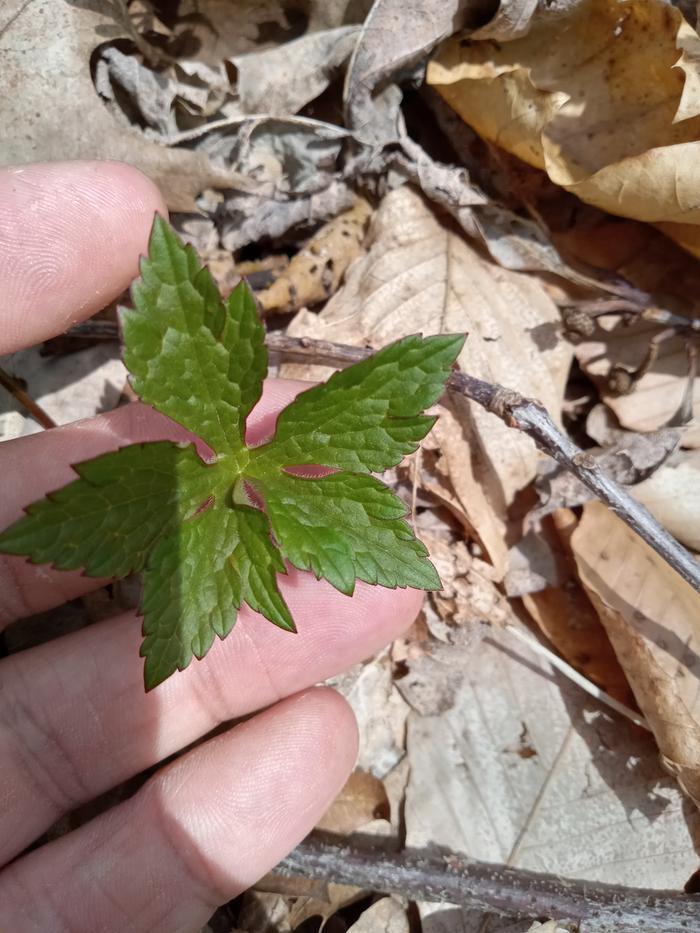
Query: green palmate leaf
[(187, 524), (367, 417), (196, 580), (108, 520), (344, 527)]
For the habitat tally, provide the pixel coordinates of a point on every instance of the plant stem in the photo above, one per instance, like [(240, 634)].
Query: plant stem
[(586, 907)]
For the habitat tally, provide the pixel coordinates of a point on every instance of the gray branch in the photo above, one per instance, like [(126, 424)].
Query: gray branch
[(527, 415), (585, 907)]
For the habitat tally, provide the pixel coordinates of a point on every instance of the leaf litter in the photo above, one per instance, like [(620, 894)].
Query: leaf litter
[(265, 127)]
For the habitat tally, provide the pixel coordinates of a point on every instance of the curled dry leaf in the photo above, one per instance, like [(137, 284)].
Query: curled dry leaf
[(672, 495), (652, 617), (421, 276), (605, 97), (315, 273), (39, 127)]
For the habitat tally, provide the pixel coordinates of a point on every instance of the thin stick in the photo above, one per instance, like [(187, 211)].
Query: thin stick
[(578, 679), (25, 400), (528, 416), (588, 907)]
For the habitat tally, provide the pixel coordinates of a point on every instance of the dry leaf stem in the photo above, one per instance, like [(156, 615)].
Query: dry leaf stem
[(527, 415), (588, 907)]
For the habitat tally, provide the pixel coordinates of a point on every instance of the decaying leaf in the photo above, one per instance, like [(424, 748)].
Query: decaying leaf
[(603, 96), (422, 276), (672, 495), (317, 270), (652, 617)]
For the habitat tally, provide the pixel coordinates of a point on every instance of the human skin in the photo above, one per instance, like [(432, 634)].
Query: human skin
[(74, 717)]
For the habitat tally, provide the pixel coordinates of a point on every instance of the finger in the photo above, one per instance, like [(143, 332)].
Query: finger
[(71, 234), (26, 589), (200, 832), (76, 720)]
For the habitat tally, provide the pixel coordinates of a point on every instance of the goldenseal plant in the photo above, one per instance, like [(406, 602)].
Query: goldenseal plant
[(210, 535)]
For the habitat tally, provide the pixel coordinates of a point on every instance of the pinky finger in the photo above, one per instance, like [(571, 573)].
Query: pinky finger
[(201, 831)]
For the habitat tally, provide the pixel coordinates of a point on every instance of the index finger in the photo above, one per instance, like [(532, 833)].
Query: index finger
[(71, 234)]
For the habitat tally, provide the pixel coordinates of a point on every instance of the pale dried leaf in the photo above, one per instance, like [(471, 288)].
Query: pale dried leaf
[(422, 276), (592, 95), (672, 495), (523, 768), (652, 617)]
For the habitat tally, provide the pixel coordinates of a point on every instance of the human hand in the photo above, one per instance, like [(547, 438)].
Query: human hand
[(74, 719)]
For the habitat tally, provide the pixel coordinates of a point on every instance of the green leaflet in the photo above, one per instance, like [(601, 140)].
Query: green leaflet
[(198, 362), (196, 580), (159, 508), (366, 417), (109, 519), (344, 527)]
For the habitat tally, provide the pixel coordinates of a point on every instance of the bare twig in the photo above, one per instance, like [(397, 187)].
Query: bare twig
[(586, 907), (25, 400), (528, 416)]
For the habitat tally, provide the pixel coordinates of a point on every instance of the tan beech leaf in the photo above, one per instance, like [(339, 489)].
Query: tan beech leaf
[(653, 619), (604, 96), (672, 495), (54, 111), (362, 799), (421, 276)]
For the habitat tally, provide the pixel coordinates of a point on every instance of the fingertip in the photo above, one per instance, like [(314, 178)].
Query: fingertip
[(71, 234)]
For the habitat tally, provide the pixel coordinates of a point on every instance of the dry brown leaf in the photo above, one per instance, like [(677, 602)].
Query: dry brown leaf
[(315, 273), (568, 618), (362, 799), (421, 276), (672, 495), (603, 96), (653, 619)]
